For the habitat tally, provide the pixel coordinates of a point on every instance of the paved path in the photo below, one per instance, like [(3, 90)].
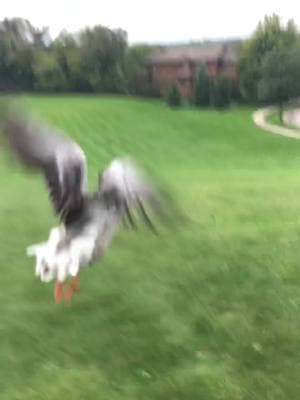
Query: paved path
[(292, 117), (259, 117)]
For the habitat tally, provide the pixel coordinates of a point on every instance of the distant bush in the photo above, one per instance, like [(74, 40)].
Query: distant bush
[(216, 92), (221, 92), (236, 95), (202, 88), (174, 96)]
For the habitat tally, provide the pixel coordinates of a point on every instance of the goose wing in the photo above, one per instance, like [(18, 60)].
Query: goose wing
[(60, 159), (124, 185)]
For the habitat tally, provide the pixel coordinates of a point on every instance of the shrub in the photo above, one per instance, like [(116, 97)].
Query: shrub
[(202, 88), (174, 96), (221, 92)]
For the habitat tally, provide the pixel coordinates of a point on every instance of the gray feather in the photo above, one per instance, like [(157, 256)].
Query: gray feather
[(59, 158)]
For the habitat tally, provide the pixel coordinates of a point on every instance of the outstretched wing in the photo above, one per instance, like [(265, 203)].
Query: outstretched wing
[(60, 160), (123, 184)]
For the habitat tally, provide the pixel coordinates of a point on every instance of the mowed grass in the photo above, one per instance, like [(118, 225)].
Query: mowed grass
[(209, 310)]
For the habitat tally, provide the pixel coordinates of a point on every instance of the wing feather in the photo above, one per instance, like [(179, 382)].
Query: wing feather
[(123, 182), (60, 159)]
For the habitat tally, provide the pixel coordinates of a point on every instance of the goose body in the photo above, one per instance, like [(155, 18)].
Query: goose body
[(88, 221)]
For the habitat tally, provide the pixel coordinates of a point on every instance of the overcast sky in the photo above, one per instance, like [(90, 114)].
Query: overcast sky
[(153, 20)]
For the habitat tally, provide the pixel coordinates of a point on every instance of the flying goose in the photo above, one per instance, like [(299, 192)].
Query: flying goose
[(88, 221)]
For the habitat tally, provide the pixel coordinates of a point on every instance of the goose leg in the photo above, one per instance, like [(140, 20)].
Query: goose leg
[(74, 285), (58, 292), (75, 282)]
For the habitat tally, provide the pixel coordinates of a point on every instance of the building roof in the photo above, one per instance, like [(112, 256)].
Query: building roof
[(193, 53)]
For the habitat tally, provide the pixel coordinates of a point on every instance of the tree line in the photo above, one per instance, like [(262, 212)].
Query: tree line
[(269, 63), (100, 60), (95, 59), (268, 68), (216, 92)]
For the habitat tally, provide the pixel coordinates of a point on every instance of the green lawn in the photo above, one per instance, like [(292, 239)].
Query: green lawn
[(209, 311)]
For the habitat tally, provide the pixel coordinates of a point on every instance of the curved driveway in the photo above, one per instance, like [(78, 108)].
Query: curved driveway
[(290, 117)]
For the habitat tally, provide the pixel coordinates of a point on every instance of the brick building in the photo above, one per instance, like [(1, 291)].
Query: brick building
[(179, 64)]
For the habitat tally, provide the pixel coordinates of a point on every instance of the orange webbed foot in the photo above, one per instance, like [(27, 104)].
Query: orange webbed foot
[(75, 282), (58, 292), (69, 294), (74, 285)]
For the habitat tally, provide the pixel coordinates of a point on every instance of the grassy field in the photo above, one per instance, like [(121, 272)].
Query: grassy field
[(209, 311)]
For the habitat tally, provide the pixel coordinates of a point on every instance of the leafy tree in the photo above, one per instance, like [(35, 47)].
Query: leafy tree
[(68, 54), (280, 77), (18, 42), (102, 55), (135, 73), (270, 35), (48, 73), (202, 87)]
